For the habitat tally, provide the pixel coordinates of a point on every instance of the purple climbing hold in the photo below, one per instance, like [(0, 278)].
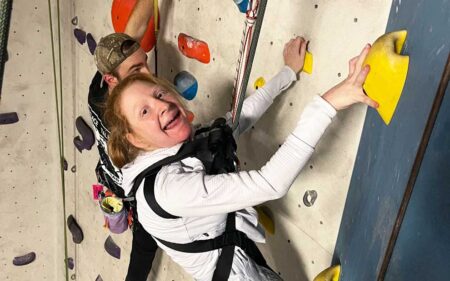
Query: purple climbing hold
[(75, 229), (25, 259), (80, 35), (65, 164), (87, 139), (70, 263), (99, 278), (112, 248), (91, 43), (8, 118)]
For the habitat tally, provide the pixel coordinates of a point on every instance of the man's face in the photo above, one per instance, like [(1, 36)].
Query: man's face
[(136, 63)]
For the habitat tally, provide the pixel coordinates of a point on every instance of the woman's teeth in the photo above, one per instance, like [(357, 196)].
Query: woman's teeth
[(171, 121)]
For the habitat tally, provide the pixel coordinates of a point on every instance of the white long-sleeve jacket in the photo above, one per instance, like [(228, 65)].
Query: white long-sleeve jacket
[(203, 201)]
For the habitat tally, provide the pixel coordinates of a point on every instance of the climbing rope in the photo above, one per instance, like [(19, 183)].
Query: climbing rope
[(60, 119), (253, 23)]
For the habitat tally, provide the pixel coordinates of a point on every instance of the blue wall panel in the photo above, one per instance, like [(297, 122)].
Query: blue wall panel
[(386, 153), (422, 251)]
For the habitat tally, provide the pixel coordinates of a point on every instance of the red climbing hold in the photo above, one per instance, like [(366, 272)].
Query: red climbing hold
[(193, 48), (190, 116), (120, 13)]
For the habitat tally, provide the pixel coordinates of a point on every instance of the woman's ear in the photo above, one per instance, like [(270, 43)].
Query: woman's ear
[(135, 141)]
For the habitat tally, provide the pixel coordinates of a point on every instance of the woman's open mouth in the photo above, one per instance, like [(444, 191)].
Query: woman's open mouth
[(173, 122)]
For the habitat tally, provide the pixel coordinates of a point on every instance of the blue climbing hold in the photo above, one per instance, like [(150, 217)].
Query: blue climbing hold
[(186, 85), (242, 5)]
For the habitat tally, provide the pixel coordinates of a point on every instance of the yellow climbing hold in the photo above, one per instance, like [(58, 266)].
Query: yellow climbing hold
[(260, 82), (388, 71), (330, 274), (308, 64), (265, 220)]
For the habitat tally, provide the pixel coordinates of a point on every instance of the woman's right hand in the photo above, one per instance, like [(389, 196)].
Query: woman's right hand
[(294, 53), (350, 91)]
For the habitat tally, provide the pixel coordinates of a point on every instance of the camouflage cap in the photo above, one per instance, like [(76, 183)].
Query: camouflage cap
[(112, 50)]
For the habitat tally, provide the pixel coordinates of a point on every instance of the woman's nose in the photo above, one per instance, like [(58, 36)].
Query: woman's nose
[(161, 106)]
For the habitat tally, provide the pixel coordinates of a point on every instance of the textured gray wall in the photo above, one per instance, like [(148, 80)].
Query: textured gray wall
[(305, 237), (30, 204)]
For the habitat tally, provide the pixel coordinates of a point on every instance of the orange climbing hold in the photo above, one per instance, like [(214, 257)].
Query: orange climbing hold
[(190, 116), (120, 13), (193, 48)]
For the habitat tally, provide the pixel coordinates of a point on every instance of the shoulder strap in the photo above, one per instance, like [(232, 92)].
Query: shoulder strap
[(196, 147), (216, 150), (188, 149), (149, 194)]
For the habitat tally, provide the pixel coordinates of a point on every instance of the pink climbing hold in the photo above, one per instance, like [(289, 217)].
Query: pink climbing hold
[(97, 189)]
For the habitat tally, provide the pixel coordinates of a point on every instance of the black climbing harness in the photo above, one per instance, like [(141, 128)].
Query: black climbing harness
[(215, 147)]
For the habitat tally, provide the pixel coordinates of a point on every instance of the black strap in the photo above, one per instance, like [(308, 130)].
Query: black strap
[(215, 147), (225, 261), (149, 194), (186, 150), (218, 136), (228, 238)]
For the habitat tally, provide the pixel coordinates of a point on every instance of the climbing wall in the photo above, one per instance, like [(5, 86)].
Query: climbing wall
[(30, 204), (389, 168), (91, 260), (304, 237)]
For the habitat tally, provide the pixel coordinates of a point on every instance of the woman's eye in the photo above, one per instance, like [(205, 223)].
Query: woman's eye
[(144, 112), (160, 94)]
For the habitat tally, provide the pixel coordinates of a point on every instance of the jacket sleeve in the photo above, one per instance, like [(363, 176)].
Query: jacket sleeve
[(197, 194), (256, 104)]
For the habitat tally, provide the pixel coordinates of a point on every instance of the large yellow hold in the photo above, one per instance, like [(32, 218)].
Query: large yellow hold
[(330, 274), (388, 71), (265, 220)]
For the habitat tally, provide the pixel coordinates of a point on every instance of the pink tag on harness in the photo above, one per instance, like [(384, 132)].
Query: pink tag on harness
[(96, 190)]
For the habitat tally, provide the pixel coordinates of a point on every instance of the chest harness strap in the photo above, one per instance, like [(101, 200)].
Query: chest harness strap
[(215, 147)]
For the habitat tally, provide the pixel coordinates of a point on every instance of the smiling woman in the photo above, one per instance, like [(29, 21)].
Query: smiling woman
[(144, 113), (187, 190)]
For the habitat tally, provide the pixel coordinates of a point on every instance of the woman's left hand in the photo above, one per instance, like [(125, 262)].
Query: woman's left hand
[(350, 91)]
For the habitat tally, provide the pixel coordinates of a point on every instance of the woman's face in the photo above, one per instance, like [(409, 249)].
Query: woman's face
[(156, 117)]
